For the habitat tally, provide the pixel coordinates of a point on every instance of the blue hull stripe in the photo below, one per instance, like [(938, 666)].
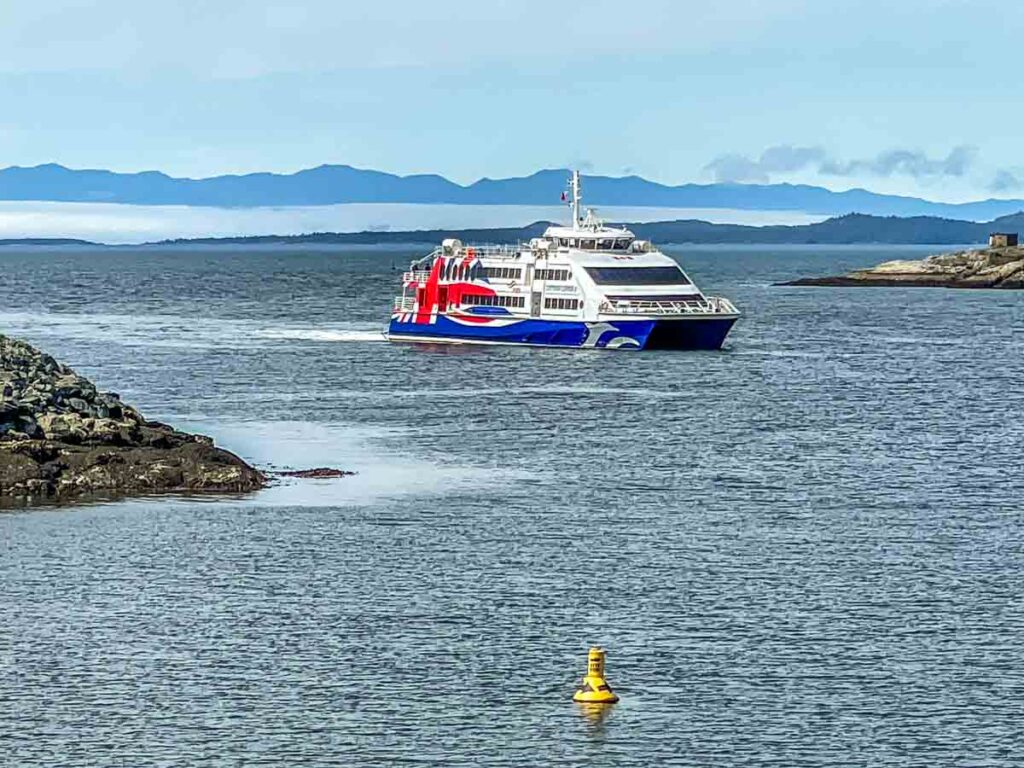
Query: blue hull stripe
[(702, 333)]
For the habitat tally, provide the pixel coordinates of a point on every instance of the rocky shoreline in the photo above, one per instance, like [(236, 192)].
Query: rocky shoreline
[(62, 439), (980, 268)]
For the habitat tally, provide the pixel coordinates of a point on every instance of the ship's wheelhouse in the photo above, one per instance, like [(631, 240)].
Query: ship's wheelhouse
[(596, 243)]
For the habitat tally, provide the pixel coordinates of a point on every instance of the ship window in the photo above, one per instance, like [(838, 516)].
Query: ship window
[(571, 304), (563, 242), (605, 245), (622, 245), (637, 275), (502, 273), (491, 301), (587, 245), (552, 274), (502, 301)]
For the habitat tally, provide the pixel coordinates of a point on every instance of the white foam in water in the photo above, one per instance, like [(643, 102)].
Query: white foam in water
[(381, 472), (170, 331), (313, 334)]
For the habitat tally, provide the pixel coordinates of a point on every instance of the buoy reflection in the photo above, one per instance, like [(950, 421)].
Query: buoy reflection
[(595, 714)]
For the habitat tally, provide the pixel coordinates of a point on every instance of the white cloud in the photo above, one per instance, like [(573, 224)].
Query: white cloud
[(785, 159), (906, 162), (1007, 180), (782, 158)]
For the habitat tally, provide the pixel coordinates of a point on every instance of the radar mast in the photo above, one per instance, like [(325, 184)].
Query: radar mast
[(576, 194)]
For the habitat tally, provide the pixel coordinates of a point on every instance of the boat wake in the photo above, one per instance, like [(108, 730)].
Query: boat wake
[(172, 331), (314, 334)]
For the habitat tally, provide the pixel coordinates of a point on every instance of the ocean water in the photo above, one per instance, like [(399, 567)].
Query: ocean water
[(803, 550)]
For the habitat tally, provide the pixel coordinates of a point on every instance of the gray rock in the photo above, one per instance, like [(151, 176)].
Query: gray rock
[(981, 268), (27, 425), (60, 438), (78, 404), (8, 411)]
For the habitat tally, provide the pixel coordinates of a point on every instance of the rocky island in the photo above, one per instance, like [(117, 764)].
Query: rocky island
[(60, 439), (980, 268)]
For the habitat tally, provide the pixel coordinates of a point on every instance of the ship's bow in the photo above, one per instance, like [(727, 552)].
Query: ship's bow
[(689, 333)]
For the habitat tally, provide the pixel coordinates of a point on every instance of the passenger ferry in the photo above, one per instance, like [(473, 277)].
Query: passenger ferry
[(583, 286)]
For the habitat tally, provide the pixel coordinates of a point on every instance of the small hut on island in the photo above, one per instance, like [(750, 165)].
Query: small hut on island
[(1002, 240)]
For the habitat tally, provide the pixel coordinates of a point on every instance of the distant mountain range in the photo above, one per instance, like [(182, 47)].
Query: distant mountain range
[(848, 229), (331, 184)]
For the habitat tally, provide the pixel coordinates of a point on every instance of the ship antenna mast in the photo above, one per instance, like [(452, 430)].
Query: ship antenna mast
[(577, 195)]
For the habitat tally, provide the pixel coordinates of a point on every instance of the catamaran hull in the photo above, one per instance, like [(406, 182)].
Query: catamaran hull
[(681, 334)]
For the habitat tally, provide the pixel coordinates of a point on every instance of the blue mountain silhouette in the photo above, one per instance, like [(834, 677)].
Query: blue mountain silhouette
[(329, 184)]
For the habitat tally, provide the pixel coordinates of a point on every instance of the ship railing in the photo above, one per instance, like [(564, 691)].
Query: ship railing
[(404, 304), (485, 251), (711, 305), (416, 276), (494, 250)]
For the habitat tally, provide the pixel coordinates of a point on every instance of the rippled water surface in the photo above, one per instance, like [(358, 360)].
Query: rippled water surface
[(804, 550)]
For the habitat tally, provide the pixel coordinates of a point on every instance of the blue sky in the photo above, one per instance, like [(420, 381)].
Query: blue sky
[(909, 96)]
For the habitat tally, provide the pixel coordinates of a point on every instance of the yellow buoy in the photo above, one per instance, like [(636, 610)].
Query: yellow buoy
[(595, 689)]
